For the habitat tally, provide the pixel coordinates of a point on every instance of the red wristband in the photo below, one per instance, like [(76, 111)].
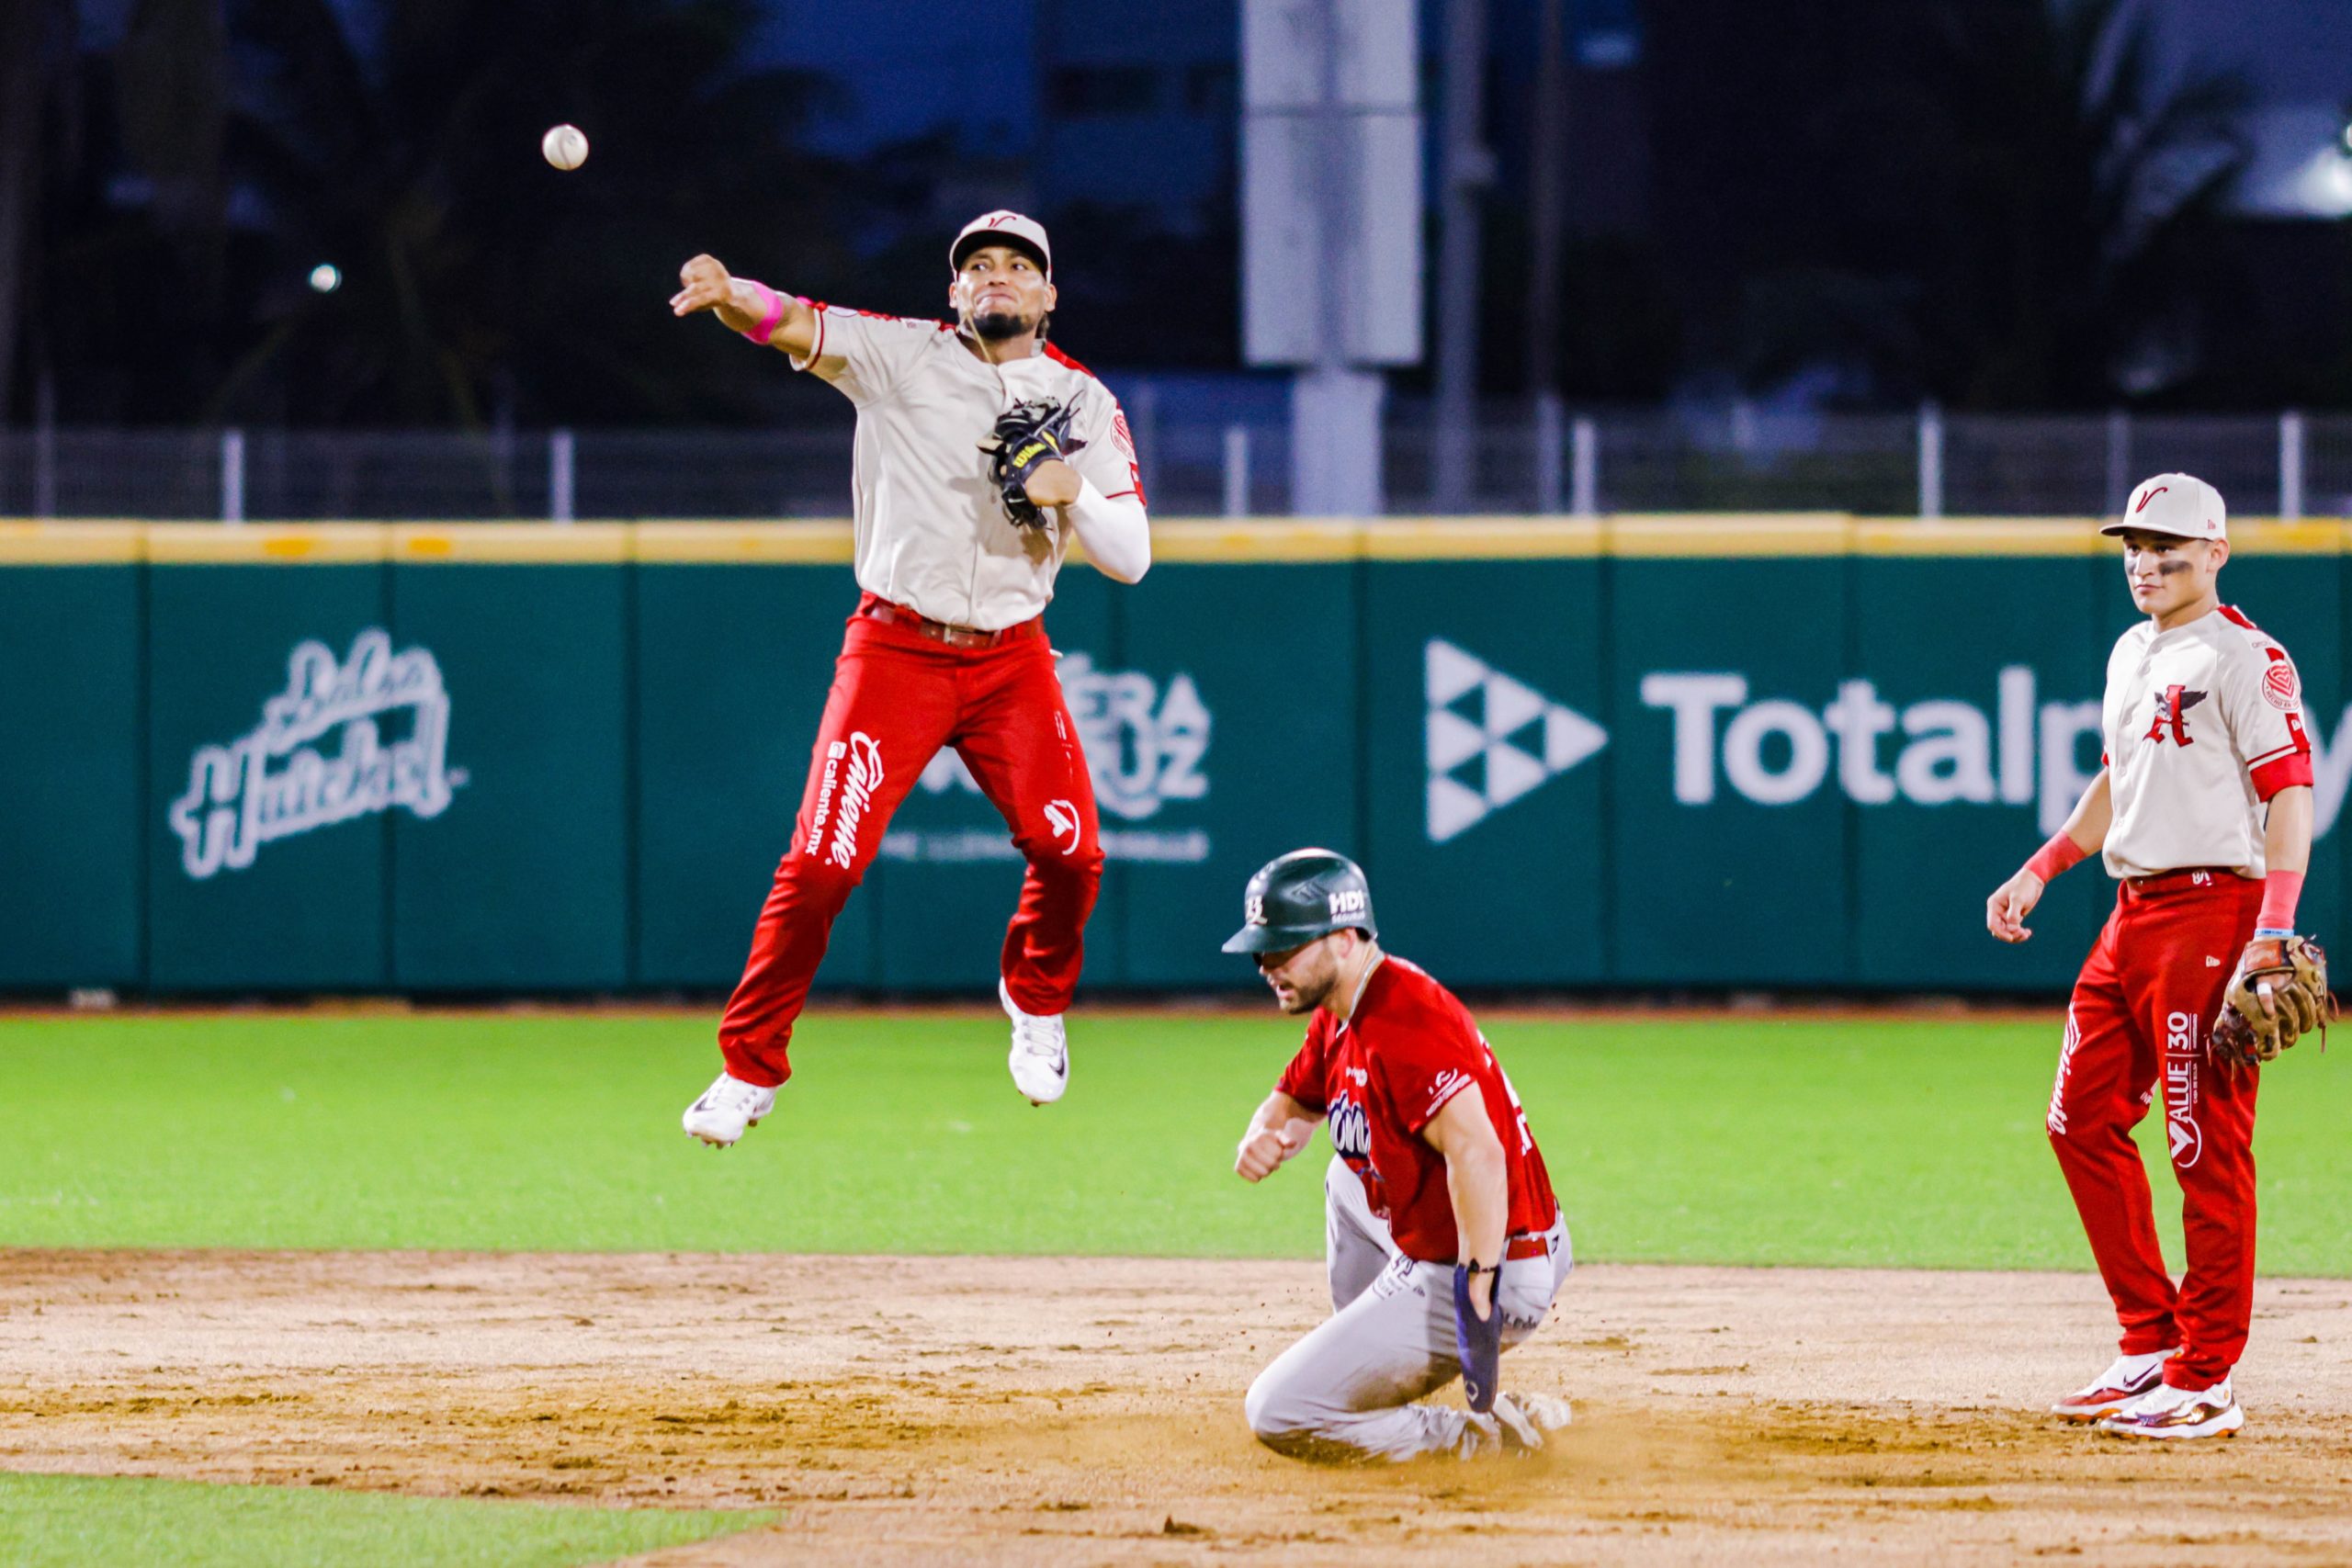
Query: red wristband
[(2281, 890), (2055, 856), (775, 317)]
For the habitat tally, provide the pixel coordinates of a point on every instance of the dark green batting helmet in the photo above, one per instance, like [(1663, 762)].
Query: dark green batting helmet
[(1302, 895)]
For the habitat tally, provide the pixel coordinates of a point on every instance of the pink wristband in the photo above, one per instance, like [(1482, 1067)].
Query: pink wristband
[(2055, 856), (768, 323), (2281, 890)]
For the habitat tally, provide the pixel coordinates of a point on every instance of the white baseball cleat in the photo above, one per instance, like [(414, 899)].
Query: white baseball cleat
[(2168, 1412), (2126, 1380), (1040, 1058), (1525, 1417), (728, 1107)]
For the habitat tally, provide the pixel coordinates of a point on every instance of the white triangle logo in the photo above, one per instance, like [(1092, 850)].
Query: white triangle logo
[(1516, 738)]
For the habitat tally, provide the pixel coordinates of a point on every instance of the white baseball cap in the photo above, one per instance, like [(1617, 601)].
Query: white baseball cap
[(2180, 504), (1002, 227)]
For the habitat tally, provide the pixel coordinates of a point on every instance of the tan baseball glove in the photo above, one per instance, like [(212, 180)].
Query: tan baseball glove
[(2279, 995)]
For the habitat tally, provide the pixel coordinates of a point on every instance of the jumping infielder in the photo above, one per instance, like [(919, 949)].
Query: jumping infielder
[(2203, 815), (1446, 1246), (980, 450)]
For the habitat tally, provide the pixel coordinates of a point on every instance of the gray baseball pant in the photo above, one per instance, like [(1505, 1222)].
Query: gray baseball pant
[(1346, 1391)]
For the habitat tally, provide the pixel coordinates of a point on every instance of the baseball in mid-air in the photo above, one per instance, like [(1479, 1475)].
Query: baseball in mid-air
[(565, 146)]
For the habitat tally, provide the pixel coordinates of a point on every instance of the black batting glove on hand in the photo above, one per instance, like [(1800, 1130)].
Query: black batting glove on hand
[(1478, 1341)]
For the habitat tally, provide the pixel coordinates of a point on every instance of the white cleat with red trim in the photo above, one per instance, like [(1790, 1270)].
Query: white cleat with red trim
[(2168, 1412), (2126, 1380)]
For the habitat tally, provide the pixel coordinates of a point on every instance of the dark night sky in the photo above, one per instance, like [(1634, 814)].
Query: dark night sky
[(975, 66), (1717, 227), (2295, 55)]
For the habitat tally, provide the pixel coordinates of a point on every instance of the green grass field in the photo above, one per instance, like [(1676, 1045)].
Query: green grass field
[(1722, 1140), (1679, 1139), (66, 1521)]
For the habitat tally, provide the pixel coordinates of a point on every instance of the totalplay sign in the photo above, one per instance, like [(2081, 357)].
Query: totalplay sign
[(1491, 739)]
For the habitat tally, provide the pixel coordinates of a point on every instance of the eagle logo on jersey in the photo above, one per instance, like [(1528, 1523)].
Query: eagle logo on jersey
[(2172, 708)]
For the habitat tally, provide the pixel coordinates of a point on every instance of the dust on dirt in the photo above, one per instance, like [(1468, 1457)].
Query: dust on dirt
[(1054, 1412)]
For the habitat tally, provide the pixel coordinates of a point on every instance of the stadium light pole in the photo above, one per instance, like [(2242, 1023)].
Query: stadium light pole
[(1469, 168), (1547, 220), (1546, 197), (1331, 227)]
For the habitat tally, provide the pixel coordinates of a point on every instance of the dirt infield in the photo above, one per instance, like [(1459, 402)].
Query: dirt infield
[(1060, 1412)]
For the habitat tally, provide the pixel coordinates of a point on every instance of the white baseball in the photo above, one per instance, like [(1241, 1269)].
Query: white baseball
[(565, 146)]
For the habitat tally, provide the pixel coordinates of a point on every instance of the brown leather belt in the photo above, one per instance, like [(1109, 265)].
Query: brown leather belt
[(882, 610)]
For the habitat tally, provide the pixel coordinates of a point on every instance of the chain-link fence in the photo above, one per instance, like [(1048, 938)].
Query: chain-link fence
[(1526, 459)]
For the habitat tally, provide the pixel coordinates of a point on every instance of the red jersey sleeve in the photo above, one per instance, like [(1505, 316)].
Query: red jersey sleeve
[(1424, 1066), (1308, 1077)]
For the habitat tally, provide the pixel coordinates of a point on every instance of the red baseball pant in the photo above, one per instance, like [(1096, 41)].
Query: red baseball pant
[(898, 697), (2142, 1016)]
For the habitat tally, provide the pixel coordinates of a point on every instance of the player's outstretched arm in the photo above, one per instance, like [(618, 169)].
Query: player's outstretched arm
[(758, 312), (1279, 1129), (2083, 836)]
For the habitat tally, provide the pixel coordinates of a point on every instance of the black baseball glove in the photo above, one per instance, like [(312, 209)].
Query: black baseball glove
[(1026, 436)]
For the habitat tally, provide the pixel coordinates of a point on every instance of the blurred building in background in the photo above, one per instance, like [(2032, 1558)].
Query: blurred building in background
[(1725, 224)]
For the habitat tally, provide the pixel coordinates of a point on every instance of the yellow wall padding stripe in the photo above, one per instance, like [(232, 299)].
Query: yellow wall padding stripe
[(1825, 534), (509, 543), (1982, 537), (1484, 539), (217, 543), (72, 544), (2268, 536), (1203, 540), (1242, 540), (746, 542)]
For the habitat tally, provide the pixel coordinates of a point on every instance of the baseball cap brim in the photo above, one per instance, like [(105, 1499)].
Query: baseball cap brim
[(1002, 227), (970, 243), (1269, 938), (2125, 525)]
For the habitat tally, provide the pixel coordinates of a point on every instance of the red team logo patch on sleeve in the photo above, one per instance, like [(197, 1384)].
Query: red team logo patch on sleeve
[(1448, 1084), (2280, 687)]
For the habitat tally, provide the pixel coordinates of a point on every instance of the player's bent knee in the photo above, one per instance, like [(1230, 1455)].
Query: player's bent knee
[(1263, 1408), (1080, 867)]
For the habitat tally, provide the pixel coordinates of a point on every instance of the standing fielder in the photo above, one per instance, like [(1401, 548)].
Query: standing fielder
[(980, 450), (1446, 1246), (2203, 815)]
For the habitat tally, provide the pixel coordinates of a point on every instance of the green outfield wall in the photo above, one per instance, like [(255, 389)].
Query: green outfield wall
[(1722, 752)]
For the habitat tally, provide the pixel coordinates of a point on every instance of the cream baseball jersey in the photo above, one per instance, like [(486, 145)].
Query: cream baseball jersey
[(2203, 724), (932, 534)]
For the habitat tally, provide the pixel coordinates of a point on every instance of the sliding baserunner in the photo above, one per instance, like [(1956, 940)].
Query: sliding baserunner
[(1446, 1244)]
